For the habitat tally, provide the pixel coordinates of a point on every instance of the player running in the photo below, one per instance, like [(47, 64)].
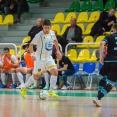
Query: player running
[(109, 69), (43, 58)]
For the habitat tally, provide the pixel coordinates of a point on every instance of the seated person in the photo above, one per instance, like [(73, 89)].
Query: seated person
[(10, 63), (73, 34), (2, 5), (34, 30), (104, 24), (7, 9), (26, 70), (19, 6), (65, 70)]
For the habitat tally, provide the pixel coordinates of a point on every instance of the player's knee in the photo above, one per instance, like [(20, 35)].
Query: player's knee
[(17, 70), (55, 73), (12, 70)]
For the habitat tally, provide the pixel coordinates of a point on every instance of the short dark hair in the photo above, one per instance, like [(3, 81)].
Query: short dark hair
[(115, 26), (25, 46), (6, 49), (46, 22)]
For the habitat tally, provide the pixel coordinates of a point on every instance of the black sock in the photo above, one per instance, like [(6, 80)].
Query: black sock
[(102, 84), (105, 91)]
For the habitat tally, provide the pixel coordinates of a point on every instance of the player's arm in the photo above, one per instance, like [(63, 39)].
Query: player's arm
[(34, 41), (15, 60), (102, 44), (64, 68)]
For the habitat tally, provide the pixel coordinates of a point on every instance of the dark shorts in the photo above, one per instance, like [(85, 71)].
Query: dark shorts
[(110, 70)]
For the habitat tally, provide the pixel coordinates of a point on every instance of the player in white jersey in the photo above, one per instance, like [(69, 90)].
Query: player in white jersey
[(43, 58)]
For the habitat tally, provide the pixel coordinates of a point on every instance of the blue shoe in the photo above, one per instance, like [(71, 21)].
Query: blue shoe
[(13, 86), (3, 86)]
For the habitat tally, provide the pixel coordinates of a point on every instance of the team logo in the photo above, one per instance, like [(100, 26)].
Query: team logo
[(49, 46), (39, 70)]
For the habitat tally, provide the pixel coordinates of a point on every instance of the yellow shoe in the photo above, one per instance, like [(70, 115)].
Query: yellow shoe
[(53, 94), (23, 92)]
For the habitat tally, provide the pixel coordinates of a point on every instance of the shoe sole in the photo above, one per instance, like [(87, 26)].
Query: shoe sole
[(53, 96), (95, 102)]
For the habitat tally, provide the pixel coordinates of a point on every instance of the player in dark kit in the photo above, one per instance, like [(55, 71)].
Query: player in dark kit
[(109, 69)]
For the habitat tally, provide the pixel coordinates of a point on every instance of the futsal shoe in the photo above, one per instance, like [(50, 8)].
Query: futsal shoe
[(23, 91), (56, 87), (46, 88), (3, 86), (64, 87), (33, 87), (53, 94), (13, 86), (19, 87), (97, 102)]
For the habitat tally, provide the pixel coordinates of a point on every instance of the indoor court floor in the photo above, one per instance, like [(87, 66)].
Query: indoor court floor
[(71, 103)]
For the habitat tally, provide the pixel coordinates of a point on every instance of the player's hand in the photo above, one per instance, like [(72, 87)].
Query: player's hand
[(33, 58), (102, 61)]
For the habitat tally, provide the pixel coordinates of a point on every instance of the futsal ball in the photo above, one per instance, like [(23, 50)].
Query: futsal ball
[(43, 94)]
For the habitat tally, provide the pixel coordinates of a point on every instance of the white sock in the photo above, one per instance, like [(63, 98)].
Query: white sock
[(35, 83), (27, 77), (3, 78), (13, 78), (53, 81), (46, 76), (30, 81), (20, 78)]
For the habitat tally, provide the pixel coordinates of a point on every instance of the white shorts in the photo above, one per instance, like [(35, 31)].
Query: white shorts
[(40, 65)]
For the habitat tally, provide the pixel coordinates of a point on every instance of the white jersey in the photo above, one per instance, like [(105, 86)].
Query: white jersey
[(44, 44)]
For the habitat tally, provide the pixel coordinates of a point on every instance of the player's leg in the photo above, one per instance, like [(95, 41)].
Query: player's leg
[(29, 73), (104, 71), (13, 74), (51, 66), (20, 71), (3, 79), (111, 79), (46, 76), (30, 81)]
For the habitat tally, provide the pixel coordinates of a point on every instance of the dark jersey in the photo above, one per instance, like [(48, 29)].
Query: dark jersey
[(111, 40)]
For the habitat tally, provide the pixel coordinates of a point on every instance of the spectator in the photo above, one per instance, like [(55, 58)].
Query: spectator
[(65, 70), (2, 5), (73, 34), (59, 38), (7, 9), (105, 22), (36, 29), (19, 6), (10, 63)]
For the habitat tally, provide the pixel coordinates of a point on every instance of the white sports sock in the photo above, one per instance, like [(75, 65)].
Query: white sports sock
[(20, 78), (13, 78), (35, 83), (3, 78), (29, 82), (53, 81), (46, 76), (27, 77)]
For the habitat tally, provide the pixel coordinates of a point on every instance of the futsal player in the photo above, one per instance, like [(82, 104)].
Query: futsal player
[(43, 58), (109, 69)]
